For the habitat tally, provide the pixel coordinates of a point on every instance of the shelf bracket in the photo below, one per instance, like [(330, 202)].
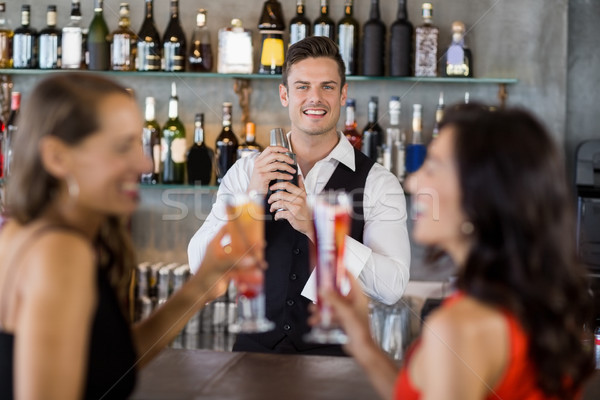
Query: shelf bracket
[(243, 89), (502, 94)]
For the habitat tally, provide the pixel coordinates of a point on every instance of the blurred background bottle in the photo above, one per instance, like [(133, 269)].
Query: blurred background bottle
[(174, 44), (226, 144), (200, 57), (396, 139), (49, 42), (324, 25), (123, 43), (24, 43), (98, 48), (151, 142), (72, 39), (350, 126), (347, 39), (439, 114), (373, 52), (6, 35), (149, 44), (10, 131), (372, 134), (199, 157), (173, 144), (235, 49), (457, 60), (249, 146), (415, 151), (401, 39), (271, 27), (299, 25), (426, 44)]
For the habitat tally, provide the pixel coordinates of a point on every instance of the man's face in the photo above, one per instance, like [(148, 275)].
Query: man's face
[(314, 96)]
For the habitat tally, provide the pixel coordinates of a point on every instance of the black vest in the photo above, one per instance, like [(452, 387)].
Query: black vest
[(287, 254)]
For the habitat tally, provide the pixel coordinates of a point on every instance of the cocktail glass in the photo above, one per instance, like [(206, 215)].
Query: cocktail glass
[(247, 211), (331, 218)]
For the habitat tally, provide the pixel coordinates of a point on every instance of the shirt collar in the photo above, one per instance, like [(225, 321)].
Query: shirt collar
[(342, 152)]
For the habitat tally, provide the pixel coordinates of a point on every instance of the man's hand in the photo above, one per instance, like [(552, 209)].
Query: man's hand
[(270, 165), (290, 204)]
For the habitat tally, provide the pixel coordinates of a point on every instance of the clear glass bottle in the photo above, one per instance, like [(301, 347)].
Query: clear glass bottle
[(49, 42), (426, 44), (226, 145), (174, 43), (249, 146), (457, 61), (151, 142), (271, 28), (439, 114), (397, 139), (347, 38), (235, 49), (373, 50), (6, 35), (324, 25), (98, 48), (200, 157), (350, 131), (373, 133), (173, 144), (72, 39), (401, 40), (24, 43), (415, 151), (123, 43), (200, 57), (299, 25), (149, 48), (10, 131)]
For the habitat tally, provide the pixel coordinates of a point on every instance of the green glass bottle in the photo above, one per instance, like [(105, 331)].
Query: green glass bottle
[(173, 143), (98, 48)]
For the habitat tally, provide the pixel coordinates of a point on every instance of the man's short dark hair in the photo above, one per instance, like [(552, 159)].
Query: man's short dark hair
[(313, 47)]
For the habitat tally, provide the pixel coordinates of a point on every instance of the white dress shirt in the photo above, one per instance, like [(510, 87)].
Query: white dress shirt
[(381, 263)]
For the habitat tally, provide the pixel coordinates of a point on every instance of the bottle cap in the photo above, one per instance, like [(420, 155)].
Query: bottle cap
[(350, 103), (458, 27), (278, 138), (201, 17), (250, 128), (236, 23)]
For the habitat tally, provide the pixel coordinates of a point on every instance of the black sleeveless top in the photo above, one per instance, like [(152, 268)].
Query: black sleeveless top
[(111, 372)]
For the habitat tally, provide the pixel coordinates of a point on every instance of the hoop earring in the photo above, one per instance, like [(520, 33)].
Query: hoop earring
[(72, 189), (467, 228)]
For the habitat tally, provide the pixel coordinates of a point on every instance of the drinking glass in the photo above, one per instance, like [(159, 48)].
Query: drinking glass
[(247, 211), (331, 218)]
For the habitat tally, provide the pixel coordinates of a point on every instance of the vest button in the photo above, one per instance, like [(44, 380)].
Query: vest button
[(296, 251), (287, 327), (290, 302), (293, 277)]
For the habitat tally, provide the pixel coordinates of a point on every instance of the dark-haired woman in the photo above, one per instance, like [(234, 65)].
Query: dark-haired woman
[(66, 257), (492, 194)]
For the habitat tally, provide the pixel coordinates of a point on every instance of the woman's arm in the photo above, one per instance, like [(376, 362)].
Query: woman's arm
[(57, 295)]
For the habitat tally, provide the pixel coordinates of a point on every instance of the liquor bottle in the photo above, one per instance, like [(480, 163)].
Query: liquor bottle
[(199, 157), (457, 60), (426, 43), (439, 114), (123, 43), (299, 25), (6, 35), (372, 134), (235, 49), (324, 26), (401, 39), (249, 146), (174, 45), (373, 53), (49, 42), (415, 151), (72, 39), (98, 48), (226, 145), (10, 131), (347, 38), (149, 44), (24, 45), (201, 57), (350, 127), (173, 143), (151, 142), (395, 140), (271, 27)]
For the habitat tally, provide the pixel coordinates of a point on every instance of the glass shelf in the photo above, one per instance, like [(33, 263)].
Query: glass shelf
[(213, 75)]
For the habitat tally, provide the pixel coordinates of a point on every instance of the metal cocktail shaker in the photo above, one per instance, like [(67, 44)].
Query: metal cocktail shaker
[(279, 138)]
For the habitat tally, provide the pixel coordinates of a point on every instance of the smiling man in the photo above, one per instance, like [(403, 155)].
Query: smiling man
[(377, 250)]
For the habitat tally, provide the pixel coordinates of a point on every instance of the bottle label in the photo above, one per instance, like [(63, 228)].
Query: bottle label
[(156, 157), (235, 52), (23, 51), (173, 56), (71, 48), (426, 51), (121, 52), (178, 150), (347, 45), (48, 51), (148, 58), (272, 52), (297, 33)]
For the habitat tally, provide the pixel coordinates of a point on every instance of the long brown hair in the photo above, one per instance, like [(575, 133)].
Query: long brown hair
[(64, 106), (523, 259)]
